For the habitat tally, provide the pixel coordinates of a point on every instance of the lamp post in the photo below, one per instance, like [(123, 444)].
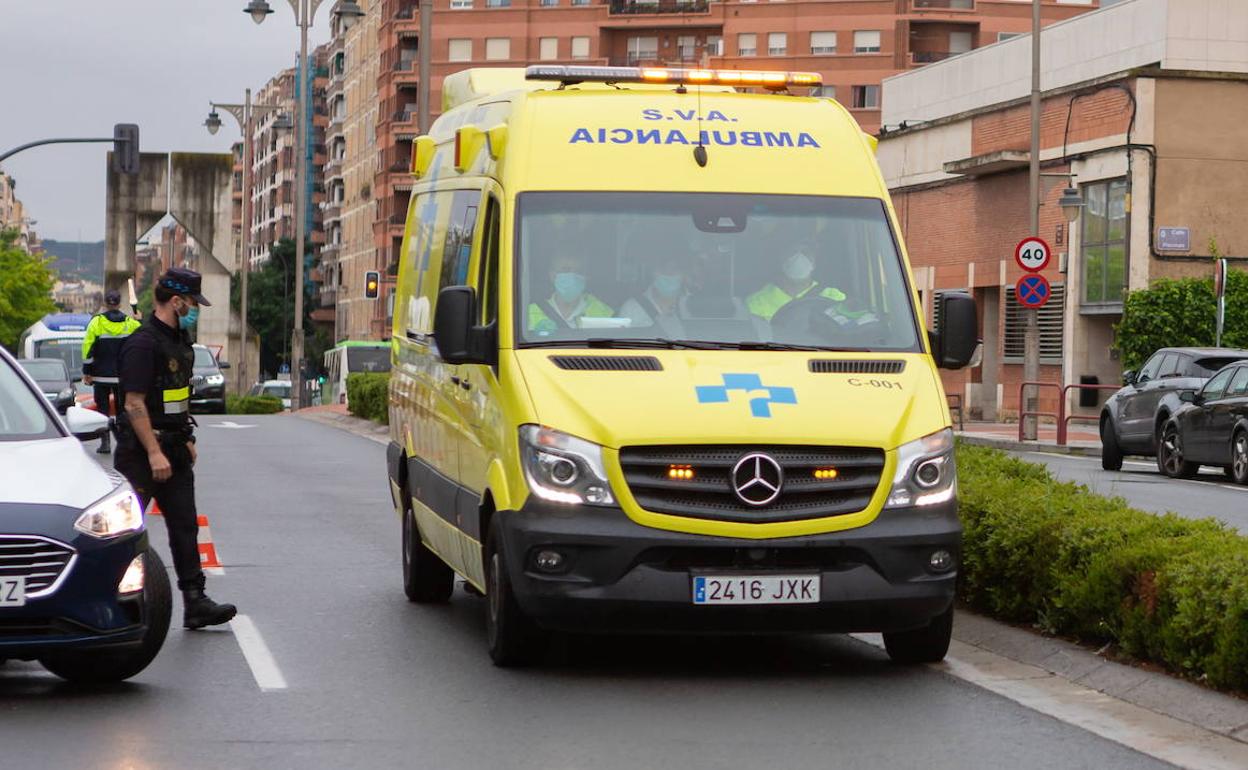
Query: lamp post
[(245, 114), (305, 11)]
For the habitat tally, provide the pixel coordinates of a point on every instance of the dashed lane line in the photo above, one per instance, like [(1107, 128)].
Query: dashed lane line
[(264, 668)]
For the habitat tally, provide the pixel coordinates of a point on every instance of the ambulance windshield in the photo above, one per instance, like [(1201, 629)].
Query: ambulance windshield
[(638, 269)]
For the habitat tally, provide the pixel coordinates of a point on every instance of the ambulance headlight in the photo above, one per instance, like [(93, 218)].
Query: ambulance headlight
[(925, 473), (562, 468), (116, 514)]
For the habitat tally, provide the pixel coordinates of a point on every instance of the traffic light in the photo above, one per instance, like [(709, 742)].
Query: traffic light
[(372, 284), (126, 149)]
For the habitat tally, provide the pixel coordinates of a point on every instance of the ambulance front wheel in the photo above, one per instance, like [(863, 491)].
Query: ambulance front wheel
[(922, 645), (426, 578), (514, 639)]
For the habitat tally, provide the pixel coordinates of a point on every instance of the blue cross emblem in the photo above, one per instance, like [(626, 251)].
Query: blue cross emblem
[(760, 404)]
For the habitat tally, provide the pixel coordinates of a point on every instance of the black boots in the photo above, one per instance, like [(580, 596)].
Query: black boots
[(105, 444), (201, 611)]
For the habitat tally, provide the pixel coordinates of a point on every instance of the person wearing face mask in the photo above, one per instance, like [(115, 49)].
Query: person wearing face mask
[(660, 302), (794, 282), (156, 443), (570, 301)]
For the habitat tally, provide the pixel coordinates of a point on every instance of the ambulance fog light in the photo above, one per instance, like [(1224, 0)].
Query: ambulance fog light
[(550, 561), (132, 581), (940, 561)]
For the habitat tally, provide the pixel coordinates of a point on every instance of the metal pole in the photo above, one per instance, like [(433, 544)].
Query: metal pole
[(244, 242), (301, 170), (1031, 338), (425, 44)]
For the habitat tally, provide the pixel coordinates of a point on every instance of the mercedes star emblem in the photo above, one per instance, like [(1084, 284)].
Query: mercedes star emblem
[(757, 479)]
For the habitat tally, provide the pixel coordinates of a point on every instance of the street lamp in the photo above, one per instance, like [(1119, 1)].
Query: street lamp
[(245, 114), (305, 11), (1071, 203)]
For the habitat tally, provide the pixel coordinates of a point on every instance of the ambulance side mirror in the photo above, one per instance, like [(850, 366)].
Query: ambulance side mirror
[(953, 346), (458, 340)]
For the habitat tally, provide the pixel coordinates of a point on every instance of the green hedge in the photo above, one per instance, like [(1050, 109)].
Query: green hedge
[(1161, 588), (1180, 312), (368, 396), (253, 404)]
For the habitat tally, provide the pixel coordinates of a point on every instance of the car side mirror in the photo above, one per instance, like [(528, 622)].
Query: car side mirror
[(1191, 397), (86, 424), (954, 345), (223, 365), (1128, 377), (458, 340)]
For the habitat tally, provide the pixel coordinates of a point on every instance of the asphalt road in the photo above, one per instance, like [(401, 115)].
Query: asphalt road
[(1211, 494), (301, 516)]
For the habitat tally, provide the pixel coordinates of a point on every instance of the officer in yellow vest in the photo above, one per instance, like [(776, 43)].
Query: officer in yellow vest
[(101, 355), (794, 282), (571, 300)]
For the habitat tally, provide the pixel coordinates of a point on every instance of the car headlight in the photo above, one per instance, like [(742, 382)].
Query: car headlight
[(563, 468), (925, 474), (115, 515), (214, 379), (65, 394)]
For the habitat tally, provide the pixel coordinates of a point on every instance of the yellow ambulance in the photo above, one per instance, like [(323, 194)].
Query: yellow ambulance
[(659, 366)]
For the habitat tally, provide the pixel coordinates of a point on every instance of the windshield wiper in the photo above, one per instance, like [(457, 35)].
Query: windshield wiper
[(651, 342)]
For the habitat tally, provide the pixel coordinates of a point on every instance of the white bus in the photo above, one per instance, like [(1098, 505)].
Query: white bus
[(57, 335), (350, 357)]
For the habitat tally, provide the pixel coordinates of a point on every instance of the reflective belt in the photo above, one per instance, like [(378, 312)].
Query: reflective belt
[(107, 380), (177, 401)]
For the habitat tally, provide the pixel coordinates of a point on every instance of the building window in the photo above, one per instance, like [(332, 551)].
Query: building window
[(822, 42), (549, 3), (580, 48), (580, 2), (548, 48), (1003, 36), (747, 44), (460, 49), (826, 92), (867, 41), (1103, 242), (866, 97), (777, 43), (497, 48), (714, 45), (1050, 318), (497, 3), (642, 49), (686, 47), (459, 5)]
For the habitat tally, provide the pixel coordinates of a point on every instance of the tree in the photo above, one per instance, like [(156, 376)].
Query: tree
[(271, 309), (1174, 313), (25, 289)]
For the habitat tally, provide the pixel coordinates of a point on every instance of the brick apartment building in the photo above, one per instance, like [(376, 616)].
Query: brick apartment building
[(13, 215), (1150, 132)]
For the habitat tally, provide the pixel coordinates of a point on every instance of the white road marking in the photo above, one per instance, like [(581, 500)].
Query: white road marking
[(263, 666), (1159, 736), (229, 424)]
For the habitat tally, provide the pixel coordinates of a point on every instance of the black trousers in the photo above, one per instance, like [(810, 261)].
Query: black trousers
[(102, 392), (176, 498)]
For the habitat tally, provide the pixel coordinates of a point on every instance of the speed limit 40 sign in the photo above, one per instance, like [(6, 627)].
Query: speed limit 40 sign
[(1032, 254)]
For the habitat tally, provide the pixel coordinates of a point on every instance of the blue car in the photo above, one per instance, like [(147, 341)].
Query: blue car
[(80, 589)]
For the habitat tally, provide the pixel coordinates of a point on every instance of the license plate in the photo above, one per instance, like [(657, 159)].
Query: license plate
[(12, 591), (756, 589)]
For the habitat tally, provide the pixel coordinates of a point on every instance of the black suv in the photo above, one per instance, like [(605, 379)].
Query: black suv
[(1132, 418)]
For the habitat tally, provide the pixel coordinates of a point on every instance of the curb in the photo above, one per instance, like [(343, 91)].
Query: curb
[(1013, 445), (351, 424)]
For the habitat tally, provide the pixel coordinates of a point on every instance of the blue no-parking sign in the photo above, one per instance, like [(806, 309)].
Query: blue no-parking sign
[(1032, 290)]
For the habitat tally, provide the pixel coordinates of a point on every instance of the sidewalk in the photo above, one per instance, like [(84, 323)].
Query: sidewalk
[(1081, 438)]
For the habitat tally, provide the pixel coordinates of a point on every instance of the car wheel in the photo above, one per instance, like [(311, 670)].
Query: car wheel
[(1111, 453), (426, 578), (1170, 454), (514, 639), (922, 645), (1239, 457), (88, 667)]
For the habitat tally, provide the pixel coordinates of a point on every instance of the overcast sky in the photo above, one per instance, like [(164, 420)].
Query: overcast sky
[(76, 67)]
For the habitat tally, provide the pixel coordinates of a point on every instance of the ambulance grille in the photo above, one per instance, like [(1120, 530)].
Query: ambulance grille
[(856, 367), (38, 560), (709, 493), (608, 363)]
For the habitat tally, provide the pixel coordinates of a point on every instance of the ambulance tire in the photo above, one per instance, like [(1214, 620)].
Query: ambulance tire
[(426, 578), (922, 645), (514, 639)]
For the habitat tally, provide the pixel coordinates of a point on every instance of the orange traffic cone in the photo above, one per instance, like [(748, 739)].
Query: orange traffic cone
[(153, 509), (207, 551)]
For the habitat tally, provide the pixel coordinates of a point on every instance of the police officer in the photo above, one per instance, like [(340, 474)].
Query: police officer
[(101, 351), (155, 445), (794, 282)]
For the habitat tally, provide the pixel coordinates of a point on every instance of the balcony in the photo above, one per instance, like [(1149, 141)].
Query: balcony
[(329, 296), (648, 7), (407, 116), (929, 57), (942, 5)]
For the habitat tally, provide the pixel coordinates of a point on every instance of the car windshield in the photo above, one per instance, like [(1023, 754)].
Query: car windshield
[(67, 349), (617, 269), (280, 391), (204, 359), (50, 370), (367, 359), (23, 416)]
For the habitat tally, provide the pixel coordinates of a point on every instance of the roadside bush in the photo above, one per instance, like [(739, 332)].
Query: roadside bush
[(253, 404), (1161, 588), (368, 396), (1175, 313)]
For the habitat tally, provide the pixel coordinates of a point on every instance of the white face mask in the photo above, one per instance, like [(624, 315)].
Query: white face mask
[(798, 267)]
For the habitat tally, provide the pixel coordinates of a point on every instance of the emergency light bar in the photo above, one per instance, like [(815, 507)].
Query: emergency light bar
[(775, 81)]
